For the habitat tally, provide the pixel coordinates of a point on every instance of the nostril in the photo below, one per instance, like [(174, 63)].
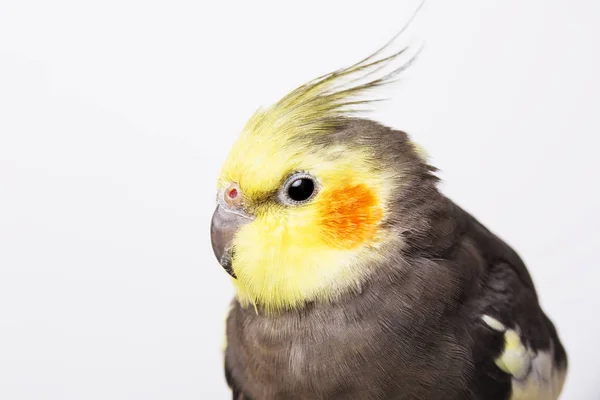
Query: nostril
[(233, 195)]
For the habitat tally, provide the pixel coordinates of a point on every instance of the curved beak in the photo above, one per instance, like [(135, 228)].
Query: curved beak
[(223, 228)]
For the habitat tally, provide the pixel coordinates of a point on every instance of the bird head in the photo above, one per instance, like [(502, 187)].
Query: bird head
[(309, 196)]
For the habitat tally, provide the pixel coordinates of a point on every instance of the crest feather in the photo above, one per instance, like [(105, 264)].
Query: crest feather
[(318, 105)]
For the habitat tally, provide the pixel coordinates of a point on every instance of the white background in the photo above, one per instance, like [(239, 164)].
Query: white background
[(115, 117)]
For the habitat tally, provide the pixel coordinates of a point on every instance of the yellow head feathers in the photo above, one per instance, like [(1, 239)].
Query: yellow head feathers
[(294, 252)]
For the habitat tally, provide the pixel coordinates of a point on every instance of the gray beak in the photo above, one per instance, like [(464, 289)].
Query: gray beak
[(223, 228)]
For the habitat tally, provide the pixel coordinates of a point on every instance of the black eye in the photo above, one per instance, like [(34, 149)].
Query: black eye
[(299, 189)]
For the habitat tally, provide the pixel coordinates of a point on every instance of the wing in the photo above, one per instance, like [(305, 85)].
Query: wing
[(522, 342), (516, 351), (535, 374)]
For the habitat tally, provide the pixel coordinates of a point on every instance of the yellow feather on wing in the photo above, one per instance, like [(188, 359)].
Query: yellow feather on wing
[(535, 377)]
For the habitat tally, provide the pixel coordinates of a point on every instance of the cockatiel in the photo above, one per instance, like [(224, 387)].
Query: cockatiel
[(355, 277)]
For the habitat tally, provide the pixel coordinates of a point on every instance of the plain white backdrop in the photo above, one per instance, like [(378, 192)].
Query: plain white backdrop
[(115, 117)]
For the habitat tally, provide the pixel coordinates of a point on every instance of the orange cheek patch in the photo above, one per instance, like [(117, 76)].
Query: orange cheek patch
[(349, 216)]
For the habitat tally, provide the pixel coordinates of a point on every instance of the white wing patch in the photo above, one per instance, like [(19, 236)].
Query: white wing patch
[(535, 377)]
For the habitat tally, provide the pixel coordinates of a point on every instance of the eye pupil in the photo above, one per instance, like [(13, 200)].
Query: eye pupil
[(301, 189)]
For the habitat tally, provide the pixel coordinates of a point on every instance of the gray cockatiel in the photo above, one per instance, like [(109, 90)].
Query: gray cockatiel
[(355, 277)]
